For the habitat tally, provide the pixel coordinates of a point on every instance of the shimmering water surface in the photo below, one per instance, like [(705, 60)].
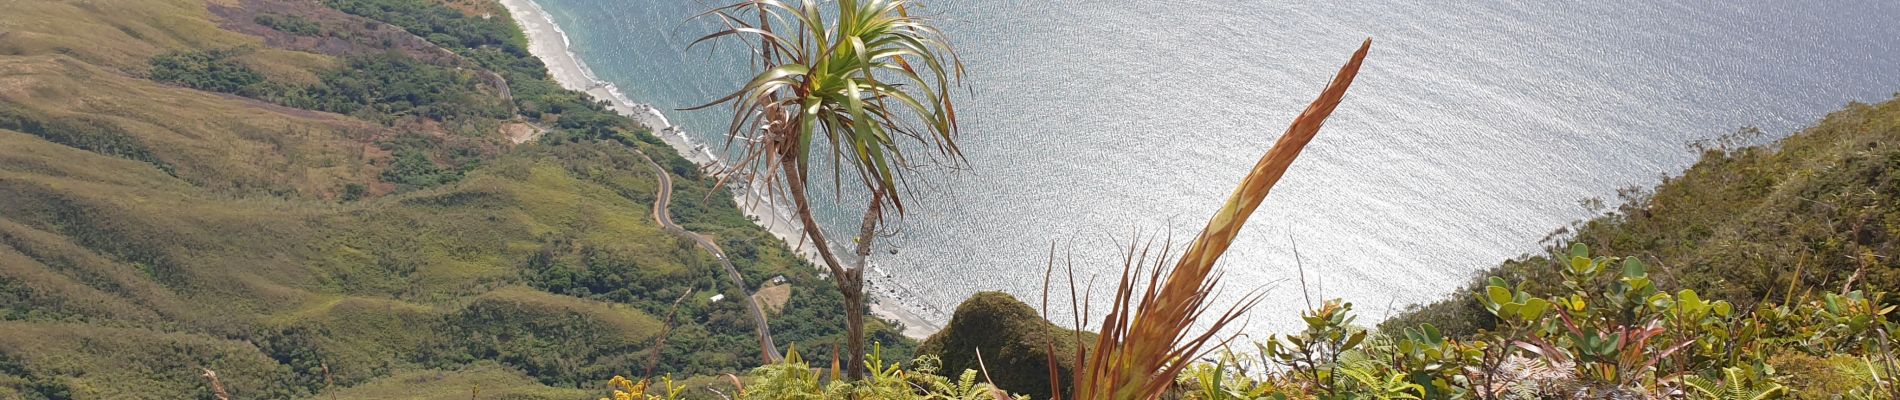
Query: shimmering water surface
[(1474, 130)]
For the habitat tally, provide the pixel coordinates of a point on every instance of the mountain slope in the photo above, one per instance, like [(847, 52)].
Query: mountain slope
[(288, 193)]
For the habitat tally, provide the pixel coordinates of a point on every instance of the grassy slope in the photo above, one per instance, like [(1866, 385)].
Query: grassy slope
[(481, 381), (225, 247), (1825, 202), (119, 35)]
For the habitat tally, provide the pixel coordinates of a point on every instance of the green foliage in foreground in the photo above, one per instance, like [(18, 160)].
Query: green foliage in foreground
[(795, 379), (1612, 334)]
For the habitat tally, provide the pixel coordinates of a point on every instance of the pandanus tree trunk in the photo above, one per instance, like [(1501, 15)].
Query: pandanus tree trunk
[(850, 281), (854, 289), (821, 86)]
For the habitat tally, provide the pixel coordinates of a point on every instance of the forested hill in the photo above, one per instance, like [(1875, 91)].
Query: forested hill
[(328, 198), (1819, 209)]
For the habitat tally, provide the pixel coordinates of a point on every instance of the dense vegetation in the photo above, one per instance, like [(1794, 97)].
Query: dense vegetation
[(390, 85), (447, 27), (212, 70), (381, 87), (496, 45), (1614, 335)]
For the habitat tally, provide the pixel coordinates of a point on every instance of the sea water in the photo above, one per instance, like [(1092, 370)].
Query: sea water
[(1475, 129)]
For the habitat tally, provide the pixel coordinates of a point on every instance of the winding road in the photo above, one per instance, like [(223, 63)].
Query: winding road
[(768, 349)]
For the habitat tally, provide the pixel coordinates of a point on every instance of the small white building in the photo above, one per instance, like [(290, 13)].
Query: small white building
[(716, 298)]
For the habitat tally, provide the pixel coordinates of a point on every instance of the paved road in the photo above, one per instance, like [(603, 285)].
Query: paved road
[(769, 350)]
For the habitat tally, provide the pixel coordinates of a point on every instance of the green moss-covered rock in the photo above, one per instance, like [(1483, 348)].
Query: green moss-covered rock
[(1014, 341)]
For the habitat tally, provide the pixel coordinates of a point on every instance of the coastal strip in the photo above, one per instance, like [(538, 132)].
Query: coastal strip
[(549, 43)]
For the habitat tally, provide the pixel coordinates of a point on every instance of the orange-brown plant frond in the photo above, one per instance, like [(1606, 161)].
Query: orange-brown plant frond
[(1146, 337)]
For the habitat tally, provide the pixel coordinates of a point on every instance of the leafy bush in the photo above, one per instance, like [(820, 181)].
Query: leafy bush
[(444, 26), (382, 87), (794, 379), (1611, 332), (413, 168), (392, 85), (422, 161), (498, 45), (212, 70), (16, 380)]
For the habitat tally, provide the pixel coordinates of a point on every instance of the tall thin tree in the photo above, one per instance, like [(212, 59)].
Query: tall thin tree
[(860, 81)]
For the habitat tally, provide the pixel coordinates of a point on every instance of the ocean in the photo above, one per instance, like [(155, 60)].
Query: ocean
[(1475, 130)]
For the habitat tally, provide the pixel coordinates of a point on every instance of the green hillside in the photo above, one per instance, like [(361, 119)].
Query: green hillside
[(288, 191), (1810, 213)]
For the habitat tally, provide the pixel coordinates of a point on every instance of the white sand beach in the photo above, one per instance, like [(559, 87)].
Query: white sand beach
[(549, 43)]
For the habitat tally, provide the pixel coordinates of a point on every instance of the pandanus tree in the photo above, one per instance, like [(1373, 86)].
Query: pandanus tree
[(859, 85)]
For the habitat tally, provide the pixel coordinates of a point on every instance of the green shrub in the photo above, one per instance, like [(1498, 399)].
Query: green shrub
[(442, 25), (212, 70), (387, 86)]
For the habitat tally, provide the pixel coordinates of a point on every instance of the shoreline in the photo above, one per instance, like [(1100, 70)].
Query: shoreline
[(548, 42)]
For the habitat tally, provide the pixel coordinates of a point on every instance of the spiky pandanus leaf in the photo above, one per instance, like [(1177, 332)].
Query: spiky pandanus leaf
[(861, 85), (860, 81), (1146, 340)]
